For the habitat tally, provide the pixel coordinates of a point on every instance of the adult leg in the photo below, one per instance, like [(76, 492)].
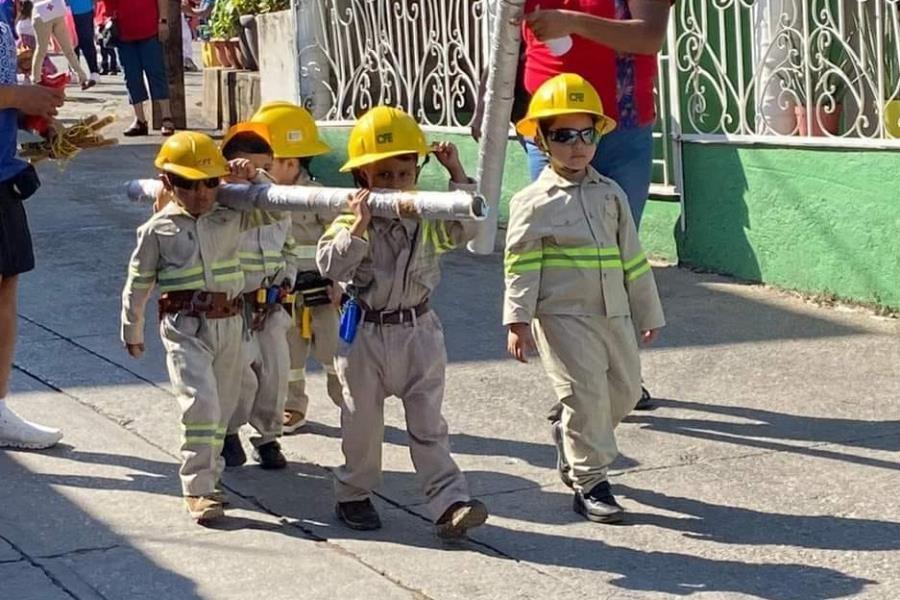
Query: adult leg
[(153, 63), (130, 55), (59, 30), (42, 32), (84, 28), (626, 157)]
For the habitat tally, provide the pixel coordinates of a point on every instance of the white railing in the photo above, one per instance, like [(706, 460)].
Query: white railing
[(756, 69), (424, 55)]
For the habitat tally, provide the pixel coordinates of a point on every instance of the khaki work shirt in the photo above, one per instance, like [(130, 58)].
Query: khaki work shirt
[(397, 265), (572, 249)]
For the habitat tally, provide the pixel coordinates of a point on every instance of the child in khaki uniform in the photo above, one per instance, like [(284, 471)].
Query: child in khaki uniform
[(268, 260), (577, 278), (190, 248), (391, 267), (295, 141)]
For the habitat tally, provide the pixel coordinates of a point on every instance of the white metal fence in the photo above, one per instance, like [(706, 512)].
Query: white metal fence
[(809, 68), (424, 55)]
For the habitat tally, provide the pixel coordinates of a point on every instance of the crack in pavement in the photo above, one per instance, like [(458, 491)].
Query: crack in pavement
[(34, 563), (79, 551)]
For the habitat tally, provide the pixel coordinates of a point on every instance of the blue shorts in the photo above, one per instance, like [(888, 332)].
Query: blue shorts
[(624, 155)]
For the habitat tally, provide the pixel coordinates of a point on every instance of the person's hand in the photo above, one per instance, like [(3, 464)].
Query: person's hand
[(359, 206), (241, 171), (520, 342), (648, 336), (163, 32), (448, 155), (38, 100), (135, 350), (550, 24)]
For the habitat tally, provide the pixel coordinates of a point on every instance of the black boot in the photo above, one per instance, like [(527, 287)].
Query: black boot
[(233, 451), (646, 401), (460, 518), (269, 456), (599, 505), (360, 515)]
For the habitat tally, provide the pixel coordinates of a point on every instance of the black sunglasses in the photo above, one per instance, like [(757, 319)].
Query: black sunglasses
[(190, 184), (567, 136)]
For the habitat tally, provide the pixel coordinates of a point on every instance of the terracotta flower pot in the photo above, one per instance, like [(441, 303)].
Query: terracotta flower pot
[(234, 53), (823, 122), (220, 47)]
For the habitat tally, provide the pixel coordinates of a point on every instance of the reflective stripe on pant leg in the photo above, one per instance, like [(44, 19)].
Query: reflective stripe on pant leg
[(575, 357), (190, 366)]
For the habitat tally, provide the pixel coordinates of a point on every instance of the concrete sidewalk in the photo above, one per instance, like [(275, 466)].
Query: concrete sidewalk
[(769, 470)]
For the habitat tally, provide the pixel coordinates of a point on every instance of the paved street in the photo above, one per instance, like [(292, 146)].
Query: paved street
[(769, 469)]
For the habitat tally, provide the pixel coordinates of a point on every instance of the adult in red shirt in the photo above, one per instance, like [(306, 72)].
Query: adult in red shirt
[(143, 29), (614, 45)]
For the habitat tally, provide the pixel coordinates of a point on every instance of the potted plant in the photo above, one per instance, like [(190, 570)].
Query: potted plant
[(828, 86), (224, 25)]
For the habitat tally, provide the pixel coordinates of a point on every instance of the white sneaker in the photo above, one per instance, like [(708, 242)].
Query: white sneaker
[(16, 432)]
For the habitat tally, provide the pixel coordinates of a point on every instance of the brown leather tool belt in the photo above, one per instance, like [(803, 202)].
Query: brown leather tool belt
[(212, 305)]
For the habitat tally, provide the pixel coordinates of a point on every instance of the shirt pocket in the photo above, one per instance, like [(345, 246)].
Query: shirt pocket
[(177, 245)]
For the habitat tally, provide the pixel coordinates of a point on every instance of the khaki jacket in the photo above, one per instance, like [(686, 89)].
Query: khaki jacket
[(572, 249), (397, 264), (178, 251)]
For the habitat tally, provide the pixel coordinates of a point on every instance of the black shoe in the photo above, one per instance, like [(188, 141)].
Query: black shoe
[(360, 515), (646, 401), (269, 456), (104, 70), (599, 505), (137, 129), (562, 466), (114, 71), (233, 451), (461, 517)]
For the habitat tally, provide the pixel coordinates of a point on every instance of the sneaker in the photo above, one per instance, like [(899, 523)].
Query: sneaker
[(269, 456), (233, 451), (646, 401), (88, 83), (562, 465), (293, 420), (335, 389), (16, 432), (204, 509), (459, 518), (359, 514), (190, 66), (599, 505)]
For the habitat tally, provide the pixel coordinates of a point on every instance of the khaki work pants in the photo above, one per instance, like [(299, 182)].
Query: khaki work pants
[(204, 361), (407, 361), (594, 366), (264, 381), (43, 32), (322, 347)]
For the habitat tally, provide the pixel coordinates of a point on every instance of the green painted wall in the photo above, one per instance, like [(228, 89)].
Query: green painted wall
[(659, 218), (812, 220)]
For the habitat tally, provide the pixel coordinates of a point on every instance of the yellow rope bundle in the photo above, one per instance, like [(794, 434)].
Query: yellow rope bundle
[(64, 143)]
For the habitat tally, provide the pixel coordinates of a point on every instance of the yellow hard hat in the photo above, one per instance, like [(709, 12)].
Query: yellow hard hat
[(381, 133), (259, 129), (564, 94), (191, 155), (292, 129)]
